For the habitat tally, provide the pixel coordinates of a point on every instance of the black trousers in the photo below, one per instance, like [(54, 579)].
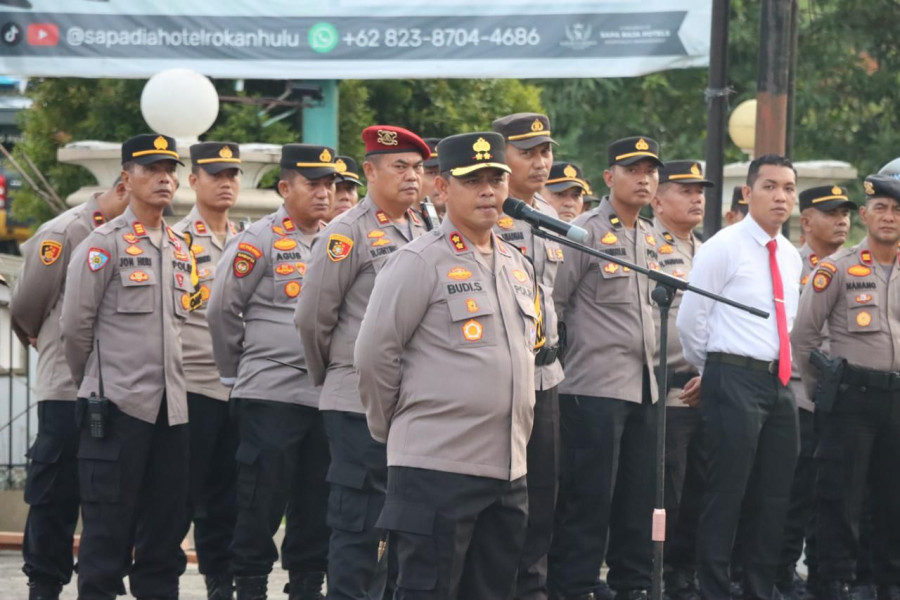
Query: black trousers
[(607, 479), (801, 516), (212, 505), (750, 428), (455, 536), (281, 463), (51, 491), (543, 468), (685, 483), (860, 442), (133, 488), (357, 479)]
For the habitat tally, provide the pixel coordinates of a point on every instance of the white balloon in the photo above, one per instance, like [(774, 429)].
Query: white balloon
[(180, 103)]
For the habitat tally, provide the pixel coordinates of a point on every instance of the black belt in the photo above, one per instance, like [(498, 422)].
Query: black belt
[(546, 355), (887, 381), (736, 360)]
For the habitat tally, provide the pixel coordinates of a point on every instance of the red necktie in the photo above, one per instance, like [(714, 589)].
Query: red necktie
[(784, 340)]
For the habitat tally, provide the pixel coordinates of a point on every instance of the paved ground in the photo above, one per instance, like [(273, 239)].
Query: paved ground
[(14, 584)]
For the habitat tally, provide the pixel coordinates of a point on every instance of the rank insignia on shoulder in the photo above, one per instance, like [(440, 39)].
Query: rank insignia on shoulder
[(382, 217), (138, 228), (339, 247), (859, 270), (865, 257), (250, 249), (458, 242), (666, 249), (472, 330), (243, 264), (459, 273), (50, 251), (288, 224), (200, 227), (285, 244), (505, 222), (97, 259), (609, 239), (821, 280), (813, 259), (98, 218)]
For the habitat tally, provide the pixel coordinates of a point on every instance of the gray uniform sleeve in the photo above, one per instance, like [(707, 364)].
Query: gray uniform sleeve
[(81, 302), (571, 270), (38, 286), (397, 305), (816, 303), (227, 302), (324, 289)]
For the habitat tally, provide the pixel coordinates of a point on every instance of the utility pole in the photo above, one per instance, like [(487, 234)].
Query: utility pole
[(717, 102)]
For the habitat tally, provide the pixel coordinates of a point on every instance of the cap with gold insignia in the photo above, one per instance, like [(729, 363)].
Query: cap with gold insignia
[(683, 171), (469, 152), (524, 130), (565, 175), (432, 160), (882, 186), (149, 148), (389, 139), (634, 149), (311, 161), (738, 202), (825, 198), (347, 170), (214, 157)]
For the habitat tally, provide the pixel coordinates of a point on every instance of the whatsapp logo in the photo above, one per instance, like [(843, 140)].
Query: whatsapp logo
[(323, 37)]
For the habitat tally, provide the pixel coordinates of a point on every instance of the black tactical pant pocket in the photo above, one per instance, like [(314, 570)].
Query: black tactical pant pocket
[(348, 500), (247, 458), (411, 528), (43, 469), (99, 470)]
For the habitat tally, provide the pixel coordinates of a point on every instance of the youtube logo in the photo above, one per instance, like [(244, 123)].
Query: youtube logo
[(43, 34)]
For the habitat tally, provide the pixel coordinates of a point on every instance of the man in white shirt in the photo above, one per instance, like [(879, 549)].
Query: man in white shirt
[(750, 414)]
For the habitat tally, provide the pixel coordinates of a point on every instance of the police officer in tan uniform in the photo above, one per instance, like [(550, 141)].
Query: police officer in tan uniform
[(530, 155), (51, 488), (346, 187), (216, 180), (825, 220), (446, 373), (739, 207), (130, 287), (565, 189), (342, 269), (678, 207), (430, 174), (283, 455), (854, 292), (606, 401)]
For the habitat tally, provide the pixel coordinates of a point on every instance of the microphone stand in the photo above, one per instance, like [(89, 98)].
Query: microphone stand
[(663, 295)]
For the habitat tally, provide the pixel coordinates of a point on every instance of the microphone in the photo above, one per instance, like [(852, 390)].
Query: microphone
[(519, 210)]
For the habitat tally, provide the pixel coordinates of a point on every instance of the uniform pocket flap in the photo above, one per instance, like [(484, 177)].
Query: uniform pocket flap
[(467, 306), (347, 474), (46, 449), (97, 449), (407, 517), (247, 454)]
